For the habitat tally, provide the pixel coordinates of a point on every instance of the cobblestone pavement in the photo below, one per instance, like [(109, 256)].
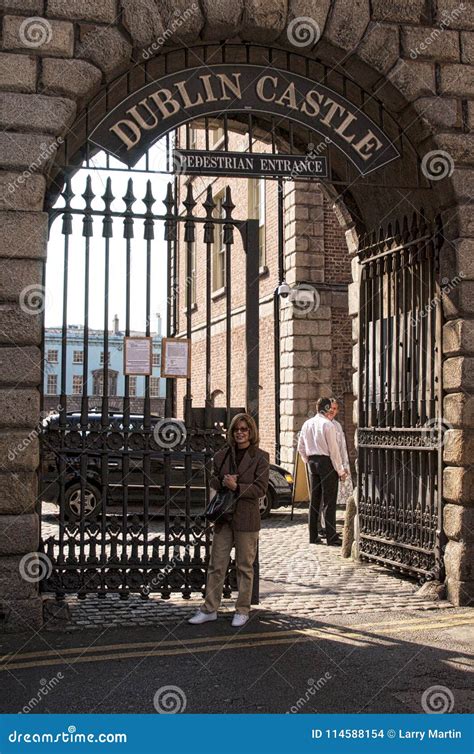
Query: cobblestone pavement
[(298, 582)]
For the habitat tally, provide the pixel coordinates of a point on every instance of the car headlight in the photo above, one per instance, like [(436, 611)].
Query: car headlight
[(289, 478)]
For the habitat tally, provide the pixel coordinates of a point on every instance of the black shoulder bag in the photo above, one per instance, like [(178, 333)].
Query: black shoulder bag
[(222, 505)]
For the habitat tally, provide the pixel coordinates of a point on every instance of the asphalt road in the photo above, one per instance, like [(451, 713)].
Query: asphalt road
[(373, 662)]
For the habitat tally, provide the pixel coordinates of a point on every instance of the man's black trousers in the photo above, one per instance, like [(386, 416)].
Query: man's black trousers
[(324, 484)]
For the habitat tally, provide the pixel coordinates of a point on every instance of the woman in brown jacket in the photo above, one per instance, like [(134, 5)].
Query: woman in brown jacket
[(249, 484)]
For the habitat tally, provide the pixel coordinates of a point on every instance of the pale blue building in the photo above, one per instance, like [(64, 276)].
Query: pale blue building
[(96, 361)]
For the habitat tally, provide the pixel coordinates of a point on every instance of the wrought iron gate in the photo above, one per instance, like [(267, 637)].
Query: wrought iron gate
[(105, 452), (400, 400)]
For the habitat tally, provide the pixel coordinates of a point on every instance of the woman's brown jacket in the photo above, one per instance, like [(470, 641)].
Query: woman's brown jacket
[(252, 479)]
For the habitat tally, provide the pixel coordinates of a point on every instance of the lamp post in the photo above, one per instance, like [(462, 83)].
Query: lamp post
[(279, 290)]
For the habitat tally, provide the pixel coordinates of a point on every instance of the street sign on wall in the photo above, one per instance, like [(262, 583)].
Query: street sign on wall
[(200, 162)]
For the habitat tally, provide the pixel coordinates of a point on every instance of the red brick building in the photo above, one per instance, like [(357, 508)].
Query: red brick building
[(316, 265)]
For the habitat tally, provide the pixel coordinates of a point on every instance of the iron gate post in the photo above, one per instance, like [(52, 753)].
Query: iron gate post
[(249, 232)]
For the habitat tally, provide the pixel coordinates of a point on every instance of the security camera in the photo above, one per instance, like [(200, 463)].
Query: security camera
[(283, 289)]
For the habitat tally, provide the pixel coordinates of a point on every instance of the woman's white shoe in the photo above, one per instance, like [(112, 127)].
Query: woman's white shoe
[(201, 617), (239, 620)]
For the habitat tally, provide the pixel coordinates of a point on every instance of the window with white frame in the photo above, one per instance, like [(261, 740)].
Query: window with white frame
[(256, 211), (156, 359), (218, 247), (77, 357), (98, 382), (52, 384), (154, 387), (132, 386), (102, 359), (76, 384), (53, 356)]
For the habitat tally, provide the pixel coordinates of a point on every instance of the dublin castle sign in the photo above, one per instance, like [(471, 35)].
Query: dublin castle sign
[(129, 129)]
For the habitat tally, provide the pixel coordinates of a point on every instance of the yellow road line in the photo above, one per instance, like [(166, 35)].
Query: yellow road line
[(226, 637), (249, 641), (230, 638)]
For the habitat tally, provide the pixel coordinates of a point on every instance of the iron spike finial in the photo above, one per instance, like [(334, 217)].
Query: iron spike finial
[(227, 205), (170, 219), (189, 202), (68, 195), (129, 200), (209, 204), (168, 201), (149, 201), (107, 198), (88, 196)]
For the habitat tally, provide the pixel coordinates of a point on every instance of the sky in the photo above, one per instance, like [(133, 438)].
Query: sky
[(76, 266)]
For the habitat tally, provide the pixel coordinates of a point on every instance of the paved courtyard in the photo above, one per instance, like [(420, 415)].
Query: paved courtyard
[(298, 582)]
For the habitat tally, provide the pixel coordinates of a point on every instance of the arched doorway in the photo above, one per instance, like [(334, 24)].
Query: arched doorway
[(397, 314), (427, 104)]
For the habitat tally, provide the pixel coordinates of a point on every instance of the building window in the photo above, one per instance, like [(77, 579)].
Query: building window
[(102, 357), (77, 383), (256, 211), (154, 387), (77, 357), (98, 382), (218, 247), (53, 357), (216, 133), (52, 384), (156, 359), (132, 386)]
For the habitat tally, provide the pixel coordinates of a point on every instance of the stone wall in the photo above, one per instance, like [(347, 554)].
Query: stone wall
[(46, 79)]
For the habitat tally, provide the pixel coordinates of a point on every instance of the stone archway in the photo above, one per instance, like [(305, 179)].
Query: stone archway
[(53, 65)]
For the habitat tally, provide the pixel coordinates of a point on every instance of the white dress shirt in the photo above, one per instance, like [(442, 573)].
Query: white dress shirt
[(341, 442), (318, 437)]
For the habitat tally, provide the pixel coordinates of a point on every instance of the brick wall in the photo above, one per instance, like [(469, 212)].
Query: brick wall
[(337, 269)]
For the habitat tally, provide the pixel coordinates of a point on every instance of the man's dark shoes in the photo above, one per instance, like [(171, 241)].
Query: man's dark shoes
[(336, 542), (315, 541)]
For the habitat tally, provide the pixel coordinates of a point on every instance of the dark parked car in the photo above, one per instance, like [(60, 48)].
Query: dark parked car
[(85, 474)]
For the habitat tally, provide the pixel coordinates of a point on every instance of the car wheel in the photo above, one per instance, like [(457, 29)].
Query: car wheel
[(265, 504), (91, 504)]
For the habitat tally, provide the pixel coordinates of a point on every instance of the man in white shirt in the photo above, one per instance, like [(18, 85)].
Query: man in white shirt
[(318, 447)]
